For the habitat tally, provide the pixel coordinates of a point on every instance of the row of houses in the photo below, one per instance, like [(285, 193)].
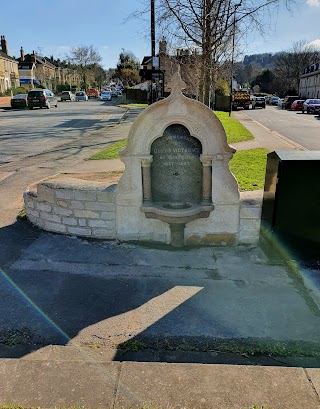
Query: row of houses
[(31, 70), (310, 82)]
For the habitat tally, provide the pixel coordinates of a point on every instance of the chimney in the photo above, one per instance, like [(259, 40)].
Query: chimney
[(21, 54), (33, 57), (163, 46), (4, 46)]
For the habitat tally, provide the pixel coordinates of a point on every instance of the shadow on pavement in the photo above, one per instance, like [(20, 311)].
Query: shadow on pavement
[(59, 290)]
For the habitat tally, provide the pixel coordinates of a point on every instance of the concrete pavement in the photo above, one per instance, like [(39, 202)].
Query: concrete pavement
[(103, 324), (55, 380)]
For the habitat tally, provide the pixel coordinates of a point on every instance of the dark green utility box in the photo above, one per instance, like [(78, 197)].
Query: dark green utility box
[(290, 217)]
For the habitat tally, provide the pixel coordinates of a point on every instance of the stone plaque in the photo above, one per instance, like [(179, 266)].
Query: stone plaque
[(176, 170)]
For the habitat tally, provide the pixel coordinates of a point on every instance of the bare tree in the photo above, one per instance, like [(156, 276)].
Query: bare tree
[(211, 25), (84, 57), (291, 64)]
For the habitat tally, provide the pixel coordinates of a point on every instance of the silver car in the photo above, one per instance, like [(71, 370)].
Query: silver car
[(67, 96), (81, 96), (105, 95)]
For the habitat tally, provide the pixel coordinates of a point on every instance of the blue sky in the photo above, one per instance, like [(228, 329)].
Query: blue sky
[(52, 27)]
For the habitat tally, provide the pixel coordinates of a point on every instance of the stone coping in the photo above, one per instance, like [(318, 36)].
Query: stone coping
[(252, 197), (99, 181)]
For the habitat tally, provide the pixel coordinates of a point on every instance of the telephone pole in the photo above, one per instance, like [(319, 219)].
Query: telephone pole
[(153, 30)]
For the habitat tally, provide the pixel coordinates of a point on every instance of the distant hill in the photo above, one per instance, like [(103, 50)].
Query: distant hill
[(261, 61)]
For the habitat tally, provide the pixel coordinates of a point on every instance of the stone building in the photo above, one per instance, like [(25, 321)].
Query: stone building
[(310, 82), (65, 75), (188, 60), (9, 75), (169, 63), (35, 70)]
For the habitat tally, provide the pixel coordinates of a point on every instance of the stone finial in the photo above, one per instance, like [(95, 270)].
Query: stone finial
[(176, 84)]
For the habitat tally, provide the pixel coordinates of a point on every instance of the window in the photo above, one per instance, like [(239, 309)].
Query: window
[(11, 67), (5, 65)]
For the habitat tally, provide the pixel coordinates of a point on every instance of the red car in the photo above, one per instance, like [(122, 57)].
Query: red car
[(92, 93), (312, 106), (297, 105)]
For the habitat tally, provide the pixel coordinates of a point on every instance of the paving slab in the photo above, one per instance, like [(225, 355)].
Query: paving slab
[(50, 384), (214, 386), (55, 248), (102, 165), (90, 382), (125, 292), (5, 175), (314, 377)]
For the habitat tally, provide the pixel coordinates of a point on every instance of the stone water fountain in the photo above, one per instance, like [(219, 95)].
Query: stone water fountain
[(177, 175), (176, 188)]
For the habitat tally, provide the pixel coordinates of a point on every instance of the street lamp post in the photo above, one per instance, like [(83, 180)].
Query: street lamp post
[(153, 51), (153, 30), (232, 53)]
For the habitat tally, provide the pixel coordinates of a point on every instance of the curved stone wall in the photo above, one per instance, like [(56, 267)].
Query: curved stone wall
[(73, 206), (87, 208)]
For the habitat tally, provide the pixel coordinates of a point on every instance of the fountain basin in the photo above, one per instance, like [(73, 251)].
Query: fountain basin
[(178, 214)]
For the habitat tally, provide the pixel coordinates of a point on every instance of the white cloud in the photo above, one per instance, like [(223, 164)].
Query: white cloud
[(314, 44), (313, 3)]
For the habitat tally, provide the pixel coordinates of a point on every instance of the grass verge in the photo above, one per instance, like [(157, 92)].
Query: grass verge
[(235, 131), (249, 167), (22, 215), (137, 105), (111, 152)]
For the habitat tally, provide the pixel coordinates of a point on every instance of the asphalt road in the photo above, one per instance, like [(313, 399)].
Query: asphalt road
[(301, 128), (25, 133), (39, 143)]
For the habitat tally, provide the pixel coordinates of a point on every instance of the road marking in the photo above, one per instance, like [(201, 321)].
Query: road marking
[(5, 175), (289, 141), (279, 135)]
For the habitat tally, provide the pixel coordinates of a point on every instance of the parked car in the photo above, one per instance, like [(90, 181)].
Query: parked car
[(114, 92), (92, 93), (281, 103), (258, 102), (42, 98), (311, 106), (81, 96), (105, 96), (274, 100), (288, 101), (67, 96), (268, 99), (19, 101), (297, 105)]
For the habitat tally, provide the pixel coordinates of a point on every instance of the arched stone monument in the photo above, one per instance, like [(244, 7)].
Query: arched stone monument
[(177, 186)]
